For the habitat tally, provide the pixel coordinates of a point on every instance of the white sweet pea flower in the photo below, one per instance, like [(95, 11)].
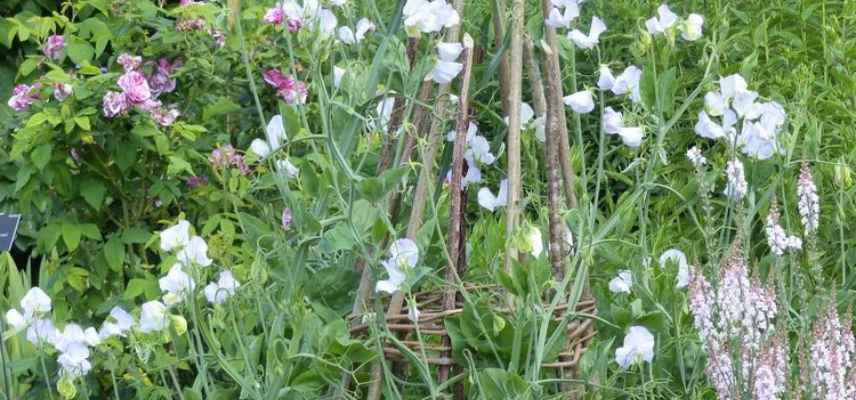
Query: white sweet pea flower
[(153, 317), (403, 255), (41, 331), (715, 103), (274, 137), (664, 20), (487, 199), (364, 25), (118, 324), (691, 29), (449, 51), (731, 85), (175, 237), (628, 82), (744, 104), (559, 19), (632, 136), (638, 347), (384, 112), (338, 73), (74, 360), (612, 121), (473, 173), (35, 303), (327, 22), (621, 283), (218, 292), (584, 41), (605, 80), (534, 241), (345, 35), (196, 252), (429, 16), (540, 128), (339, 3), (581, 102), (260, 148), (446, 71), (678, 257), (706, 128), (479, 150), (526, 115), (286, 168), (15, 319), (413, 313), (472, 130), (176, 285), (757, 141)]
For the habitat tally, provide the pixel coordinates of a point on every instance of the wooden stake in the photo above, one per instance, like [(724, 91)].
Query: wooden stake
[(456, 192), (515, 75)]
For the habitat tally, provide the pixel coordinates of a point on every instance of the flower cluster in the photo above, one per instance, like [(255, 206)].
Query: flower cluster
[(696, 157), (24, 95), (690, 28), (225, 157), (638, 346), (477, 152), (142, 91), (191, 252), (72, 343), (428, 16), (733, 102), (833, 358), (613, 121), (735, 321), (347, 35), (403, 255), (309, 15), (808, 202), (735, 185), (54, 47), (291, 90), (778, 240)]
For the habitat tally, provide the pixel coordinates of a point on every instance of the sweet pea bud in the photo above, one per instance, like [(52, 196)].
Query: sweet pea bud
[(843, 175), (65, 387), (179, 323)]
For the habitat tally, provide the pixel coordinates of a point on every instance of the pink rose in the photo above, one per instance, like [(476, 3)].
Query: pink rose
[(23, 96), (53, 47), (135, 87), (274, 15), (61, 91), (129, 62), (114, 103)]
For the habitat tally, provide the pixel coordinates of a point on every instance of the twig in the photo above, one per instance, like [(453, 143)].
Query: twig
[(551, 128), (539, 102), (455, 190), (553, 76), (499, 39), (515, 75)]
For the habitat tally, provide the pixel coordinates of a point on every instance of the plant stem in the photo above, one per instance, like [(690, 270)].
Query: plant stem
[(47, 378)]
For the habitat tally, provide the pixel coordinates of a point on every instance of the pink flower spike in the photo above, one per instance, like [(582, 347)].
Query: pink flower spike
[(54, 46)]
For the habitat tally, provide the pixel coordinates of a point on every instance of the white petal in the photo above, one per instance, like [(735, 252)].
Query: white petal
[(346, 35), (35, 302), (338, 73), (260, 148), (612, 121), (731, 85), (275, 132), (15, 319), (445, 71), (581, 102), (632, 136), (449, 51), (605, 80), (715, 104), (363, 27), (176, 236)]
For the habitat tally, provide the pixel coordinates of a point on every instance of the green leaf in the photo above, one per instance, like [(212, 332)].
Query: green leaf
[(178, 165), (79, 50), (338, 238), (91, 231), (41, 155), (71, 235), (83, 123), (114, 253), (93, 192), (137, 287), (222, 106), (98, 31), (135, 235)]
